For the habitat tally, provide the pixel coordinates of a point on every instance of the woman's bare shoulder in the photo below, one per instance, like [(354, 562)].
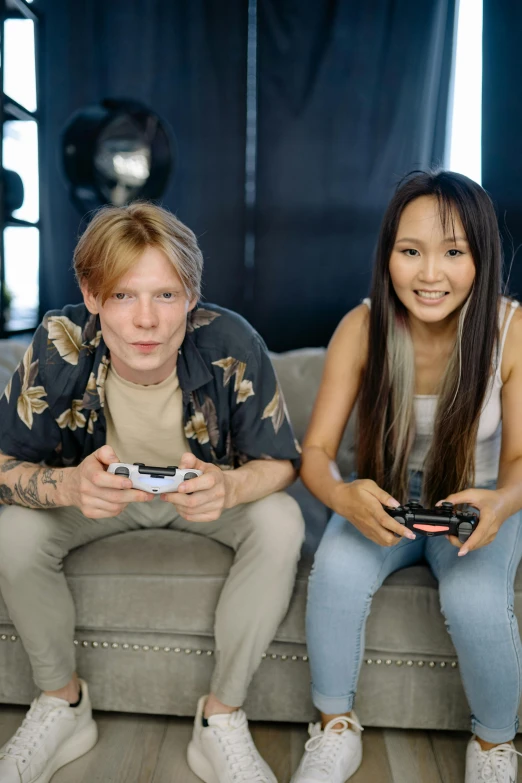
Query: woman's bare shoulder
[(352, 330), (512, 356)]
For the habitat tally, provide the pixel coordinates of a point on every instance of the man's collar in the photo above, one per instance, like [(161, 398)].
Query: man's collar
[(192, 370)]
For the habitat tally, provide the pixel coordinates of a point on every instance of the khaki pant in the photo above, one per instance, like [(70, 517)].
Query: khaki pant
[(266, 537)]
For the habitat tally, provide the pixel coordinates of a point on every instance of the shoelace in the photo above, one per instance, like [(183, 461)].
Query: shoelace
[(322, 747), (496, 761), (241, 753), (25, 741)]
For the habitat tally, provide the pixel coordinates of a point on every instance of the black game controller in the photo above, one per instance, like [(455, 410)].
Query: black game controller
[(439, 521)]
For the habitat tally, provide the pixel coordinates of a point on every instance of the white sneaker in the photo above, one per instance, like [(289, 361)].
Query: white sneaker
[(52, 734), (332, 755), (224, 751), (498, 765)]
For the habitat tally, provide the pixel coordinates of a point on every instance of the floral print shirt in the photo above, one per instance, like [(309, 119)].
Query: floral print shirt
[(52, 409)]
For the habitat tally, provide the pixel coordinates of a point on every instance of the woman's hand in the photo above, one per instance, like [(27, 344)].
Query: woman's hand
[(361, 502), (490, 503)]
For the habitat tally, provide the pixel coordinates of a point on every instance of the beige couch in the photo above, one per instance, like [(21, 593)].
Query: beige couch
[(145, 603)]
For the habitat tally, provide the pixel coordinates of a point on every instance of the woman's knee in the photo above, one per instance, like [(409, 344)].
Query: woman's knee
[(476, 603), (343, 568), (24, 540)]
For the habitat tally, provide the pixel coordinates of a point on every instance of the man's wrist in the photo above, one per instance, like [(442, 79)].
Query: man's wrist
[(230, 482), (63, 491)]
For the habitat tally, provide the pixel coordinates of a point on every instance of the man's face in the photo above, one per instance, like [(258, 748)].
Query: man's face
[(144, 321)]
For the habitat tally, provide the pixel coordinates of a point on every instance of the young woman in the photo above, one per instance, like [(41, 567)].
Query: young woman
[(434, 359)]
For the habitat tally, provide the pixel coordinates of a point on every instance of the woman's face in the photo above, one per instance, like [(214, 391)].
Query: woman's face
[(432, 270)]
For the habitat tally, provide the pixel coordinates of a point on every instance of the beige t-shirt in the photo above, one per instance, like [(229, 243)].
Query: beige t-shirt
[(145, 423)]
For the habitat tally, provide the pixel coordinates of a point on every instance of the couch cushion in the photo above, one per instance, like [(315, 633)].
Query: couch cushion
[(164, 581), (299, 373), (11, 352)]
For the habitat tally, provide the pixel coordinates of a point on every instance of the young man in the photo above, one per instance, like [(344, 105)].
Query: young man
[(140, 372)]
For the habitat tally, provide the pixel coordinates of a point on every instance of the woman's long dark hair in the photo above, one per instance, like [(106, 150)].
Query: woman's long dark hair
[(450, 464)]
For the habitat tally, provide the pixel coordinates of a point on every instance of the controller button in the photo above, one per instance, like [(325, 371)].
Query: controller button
[(465, 529), (414, 504), (122, 472), (141, 464), (446, 504), (190, 476), (432, 528)]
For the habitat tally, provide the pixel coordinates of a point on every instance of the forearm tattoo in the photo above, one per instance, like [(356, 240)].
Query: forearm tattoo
[(29, 491), (13, 463)]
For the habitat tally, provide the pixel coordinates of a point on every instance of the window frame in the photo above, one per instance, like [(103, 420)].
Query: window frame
[(11, 110)]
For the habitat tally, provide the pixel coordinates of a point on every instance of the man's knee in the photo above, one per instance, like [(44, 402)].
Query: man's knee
[(24, 538), (277, 527)]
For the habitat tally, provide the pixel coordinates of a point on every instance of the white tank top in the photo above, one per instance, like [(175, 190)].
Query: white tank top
[(489, 435)]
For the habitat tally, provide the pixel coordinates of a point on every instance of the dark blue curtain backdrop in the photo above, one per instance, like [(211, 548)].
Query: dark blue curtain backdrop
[(351, 96), (186, 60), (502, 126)]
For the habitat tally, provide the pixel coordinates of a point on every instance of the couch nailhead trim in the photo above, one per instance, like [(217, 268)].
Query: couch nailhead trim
[(272, 656)]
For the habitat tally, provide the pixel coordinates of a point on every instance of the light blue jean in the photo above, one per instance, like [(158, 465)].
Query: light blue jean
[(476, 596)]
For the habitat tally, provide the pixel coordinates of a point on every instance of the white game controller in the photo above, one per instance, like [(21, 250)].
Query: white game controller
[(153, 479)]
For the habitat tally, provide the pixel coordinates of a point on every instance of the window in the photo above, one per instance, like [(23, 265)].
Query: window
[(465, 108), (20, 258)]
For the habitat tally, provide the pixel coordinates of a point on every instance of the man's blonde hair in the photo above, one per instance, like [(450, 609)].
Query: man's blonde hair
[(116, 237)]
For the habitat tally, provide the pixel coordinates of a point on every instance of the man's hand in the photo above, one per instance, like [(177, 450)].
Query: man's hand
[(204, 498), (95, 492), (490, 503)]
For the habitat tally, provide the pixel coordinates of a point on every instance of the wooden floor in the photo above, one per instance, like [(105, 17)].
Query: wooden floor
[(151, 749)]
